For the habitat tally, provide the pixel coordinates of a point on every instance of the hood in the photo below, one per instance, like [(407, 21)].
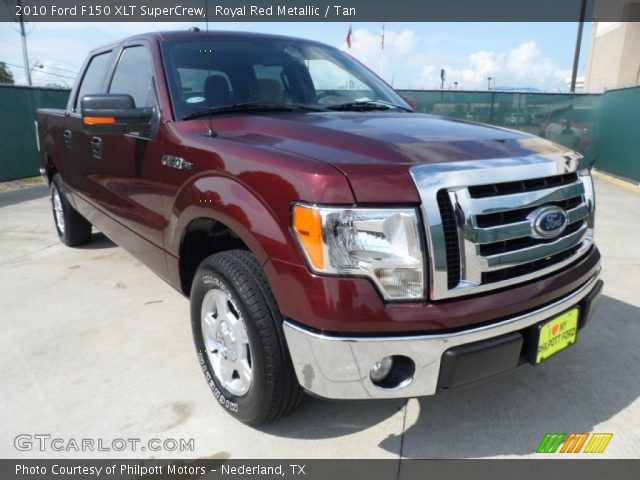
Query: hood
[(376, 149)]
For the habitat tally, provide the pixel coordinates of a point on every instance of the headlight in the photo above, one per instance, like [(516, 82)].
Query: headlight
[(382, 244)]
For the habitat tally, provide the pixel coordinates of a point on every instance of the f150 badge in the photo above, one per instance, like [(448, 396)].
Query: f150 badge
[(176, 162)]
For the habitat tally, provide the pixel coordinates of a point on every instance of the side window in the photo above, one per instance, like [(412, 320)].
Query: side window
[(269, 87), (327, 75), (134, 76), (192, 83), (271, 72), (93, 77), (335, 85)]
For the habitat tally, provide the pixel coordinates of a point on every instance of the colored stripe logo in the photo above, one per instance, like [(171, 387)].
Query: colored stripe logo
[(574, 443)]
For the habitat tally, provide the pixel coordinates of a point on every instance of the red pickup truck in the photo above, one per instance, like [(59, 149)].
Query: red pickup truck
[(330, 240)]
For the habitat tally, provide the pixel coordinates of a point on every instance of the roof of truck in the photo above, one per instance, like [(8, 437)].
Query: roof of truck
[(192, 34)]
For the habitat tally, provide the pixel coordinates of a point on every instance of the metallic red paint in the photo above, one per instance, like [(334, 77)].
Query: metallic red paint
[(248, 174), (352, 305)]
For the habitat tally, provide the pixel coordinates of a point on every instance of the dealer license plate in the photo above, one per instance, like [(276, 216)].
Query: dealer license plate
[(557, 334)]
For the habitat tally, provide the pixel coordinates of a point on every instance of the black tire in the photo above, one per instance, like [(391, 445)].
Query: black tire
[(274, 390), (75, 229)]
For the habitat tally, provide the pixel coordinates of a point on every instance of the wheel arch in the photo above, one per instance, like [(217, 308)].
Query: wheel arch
[(214, 214), (202, 237)]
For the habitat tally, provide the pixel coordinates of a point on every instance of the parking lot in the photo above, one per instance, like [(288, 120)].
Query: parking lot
[(94, 345)]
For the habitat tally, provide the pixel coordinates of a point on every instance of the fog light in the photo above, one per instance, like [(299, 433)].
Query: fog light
[(381, 369)]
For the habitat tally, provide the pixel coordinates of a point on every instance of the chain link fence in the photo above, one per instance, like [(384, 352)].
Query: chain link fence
[(562, 118), (605, 128)]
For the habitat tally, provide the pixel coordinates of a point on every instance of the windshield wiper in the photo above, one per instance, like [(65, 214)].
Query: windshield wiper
[(363, 106), (251, 107)]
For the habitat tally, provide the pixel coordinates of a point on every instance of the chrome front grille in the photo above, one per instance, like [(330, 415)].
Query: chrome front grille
[(478, 220), (450, 230), (507, 188)]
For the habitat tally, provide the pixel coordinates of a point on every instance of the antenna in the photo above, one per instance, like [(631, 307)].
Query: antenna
[(210, 132)]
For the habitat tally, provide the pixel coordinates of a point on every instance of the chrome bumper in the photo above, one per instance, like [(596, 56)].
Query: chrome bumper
[(338, 367)]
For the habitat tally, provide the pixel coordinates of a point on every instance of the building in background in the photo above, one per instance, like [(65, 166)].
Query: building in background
[(614, 50), (579, 83)]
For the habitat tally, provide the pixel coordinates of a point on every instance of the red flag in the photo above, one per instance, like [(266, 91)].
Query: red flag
[(349, 37)]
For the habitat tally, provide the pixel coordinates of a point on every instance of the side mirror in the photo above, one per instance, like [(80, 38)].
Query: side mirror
[(114, 113)]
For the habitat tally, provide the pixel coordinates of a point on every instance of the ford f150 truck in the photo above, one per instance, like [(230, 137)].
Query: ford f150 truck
[(330, 239)]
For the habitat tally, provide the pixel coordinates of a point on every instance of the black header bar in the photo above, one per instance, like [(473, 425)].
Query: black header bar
[(318, 10), (547, 469)]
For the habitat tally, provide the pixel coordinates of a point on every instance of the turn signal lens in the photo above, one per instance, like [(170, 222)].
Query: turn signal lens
[(308, 225), (96, 120)]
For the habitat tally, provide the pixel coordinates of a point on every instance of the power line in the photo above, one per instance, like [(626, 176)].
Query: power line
[(44, 73), (104, 33), (41, 64), (42, 54), (26, 58)]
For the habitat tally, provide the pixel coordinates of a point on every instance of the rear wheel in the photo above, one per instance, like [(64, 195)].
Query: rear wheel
[(73, 229), (237, 329)]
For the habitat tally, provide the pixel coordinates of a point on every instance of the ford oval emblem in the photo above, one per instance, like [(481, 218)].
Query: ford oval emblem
[(547, 222)]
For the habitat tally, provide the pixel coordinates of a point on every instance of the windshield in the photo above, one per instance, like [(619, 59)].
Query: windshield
[(206, 74)]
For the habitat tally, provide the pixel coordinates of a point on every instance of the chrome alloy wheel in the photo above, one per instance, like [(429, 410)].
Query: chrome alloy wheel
[(58, 213), (227, 342)]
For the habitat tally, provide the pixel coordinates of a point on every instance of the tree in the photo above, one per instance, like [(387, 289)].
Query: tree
[(5, 74)]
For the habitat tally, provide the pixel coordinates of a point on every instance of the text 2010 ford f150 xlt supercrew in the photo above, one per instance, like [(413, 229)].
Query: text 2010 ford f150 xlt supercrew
[(330, 239)]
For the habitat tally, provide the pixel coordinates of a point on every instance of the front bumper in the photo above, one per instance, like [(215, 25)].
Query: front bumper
[(338, 367)]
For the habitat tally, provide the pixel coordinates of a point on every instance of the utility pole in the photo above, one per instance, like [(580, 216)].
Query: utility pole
[(488, 83), (576, 54), (25, 55)]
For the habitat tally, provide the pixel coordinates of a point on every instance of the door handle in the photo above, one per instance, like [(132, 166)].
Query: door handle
[(96, 147), (68, 136)]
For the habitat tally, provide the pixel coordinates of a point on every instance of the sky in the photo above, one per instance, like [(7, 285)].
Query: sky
[(524, 55)]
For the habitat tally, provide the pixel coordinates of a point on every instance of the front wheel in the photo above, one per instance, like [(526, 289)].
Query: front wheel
[(237, 329)]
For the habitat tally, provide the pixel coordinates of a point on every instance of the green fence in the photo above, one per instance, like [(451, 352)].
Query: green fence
[(18, 151), (604, 128), (562, 118), (617, 136)]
